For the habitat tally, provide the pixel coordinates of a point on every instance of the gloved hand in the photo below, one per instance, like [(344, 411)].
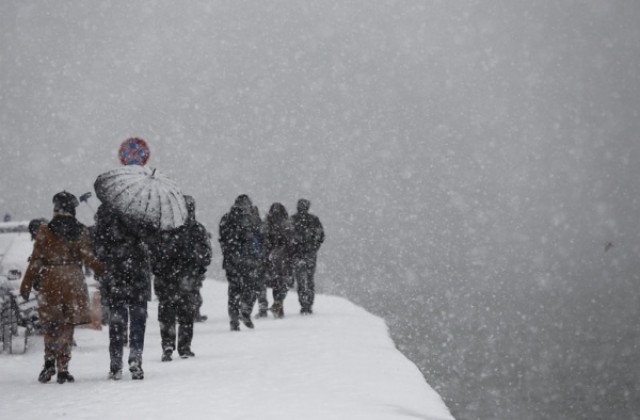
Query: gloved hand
[(25, 295)]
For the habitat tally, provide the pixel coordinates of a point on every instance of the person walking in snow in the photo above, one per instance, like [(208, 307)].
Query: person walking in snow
[(278, 246), (261, 280), (239, 237), (126, 288), (307, 238), (61, 247), (180, 260), (34, 226)]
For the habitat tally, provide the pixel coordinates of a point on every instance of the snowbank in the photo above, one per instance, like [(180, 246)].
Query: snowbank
[(338, 363)]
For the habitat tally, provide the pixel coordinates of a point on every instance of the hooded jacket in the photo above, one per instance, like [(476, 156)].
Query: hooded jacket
[(309, 234), (121, 248)]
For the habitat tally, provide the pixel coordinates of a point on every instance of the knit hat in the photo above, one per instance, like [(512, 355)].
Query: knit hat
[(66, 202)]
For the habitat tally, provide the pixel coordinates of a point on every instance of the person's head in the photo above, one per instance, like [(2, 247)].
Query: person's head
[(277, 213), (243, 201), (65, 203), (34, 225), (303, 205)]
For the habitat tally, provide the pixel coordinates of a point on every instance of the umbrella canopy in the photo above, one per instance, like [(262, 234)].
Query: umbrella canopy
[(143, 195)]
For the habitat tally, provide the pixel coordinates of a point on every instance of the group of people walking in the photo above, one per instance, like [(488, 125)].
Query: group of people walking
[(276, 252), (127, 259)]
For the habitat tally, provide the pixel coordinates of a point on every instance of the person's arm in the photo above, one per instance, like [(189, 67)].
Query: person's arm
[(35, 265), (87, 255)]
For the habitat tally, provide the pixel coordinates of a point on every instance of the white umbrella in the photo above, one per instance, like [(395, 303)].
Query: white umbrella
[(143, 195)]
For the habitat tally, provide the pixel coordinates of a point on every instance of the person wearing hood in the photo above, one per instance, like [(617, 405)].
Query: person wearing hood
[(180, 260), (61, 247), (126, 289), (278, 239), (308, 236), (239, 237)]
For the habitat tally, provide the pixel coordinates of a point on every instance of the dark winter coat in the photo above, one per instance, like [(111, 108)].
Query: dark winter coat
[(240, 240), (278, 241), (180, 258), (60, 249), (122, 248), (308, 234)]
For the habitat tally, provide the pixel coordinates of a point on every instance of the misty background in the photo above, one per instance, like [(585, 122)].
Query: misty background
[(470, 162)]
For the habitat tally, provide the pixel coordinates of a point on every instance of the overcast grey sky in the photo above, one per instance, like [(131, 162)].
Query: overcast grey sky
[(430, 136), (495, 116)]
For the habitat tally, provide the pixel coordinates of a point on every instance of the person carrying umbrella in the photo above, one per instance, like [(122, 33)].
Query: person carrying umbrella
[(61, 247), (137, 203), (127, 286)]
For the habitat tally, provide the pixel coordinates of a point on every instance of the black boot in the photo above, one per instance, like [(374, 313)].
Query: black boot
[(65, 377), (277, 309), (246, 320), (115, 374), (186, 353), (136, 370), (48, 371), (166, 354), (200, 318)]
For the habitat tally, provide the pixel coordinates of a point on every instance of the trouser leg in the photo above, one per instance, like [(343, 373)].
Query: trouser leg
[(186, 310), (263, 302), (167, 321), (50, 331), (247, 296), (118, 317), (138, 315), (233, 303), (65, 339), (304, 271), (280, 289), (58, 341), (198, 304)]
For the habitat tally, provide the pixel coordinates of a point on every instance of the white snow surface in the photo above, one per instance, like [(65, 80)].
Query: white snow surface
[(338, 363)]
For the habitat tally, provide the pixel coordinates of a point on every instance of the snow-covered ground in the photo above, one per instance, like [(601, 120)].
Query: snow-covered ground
[(336, 364)]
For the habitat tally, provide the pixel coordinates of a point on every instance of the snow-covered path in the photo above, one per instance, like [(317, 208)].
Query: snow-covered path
[(338, 363)]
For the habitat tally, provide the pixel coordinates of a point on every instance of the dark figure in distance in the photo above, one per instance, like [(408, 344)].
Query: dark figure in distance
[(239, 237), (278, 237), (126, 289), (34, 226), (180, 260), (308, 236), (61, 248)]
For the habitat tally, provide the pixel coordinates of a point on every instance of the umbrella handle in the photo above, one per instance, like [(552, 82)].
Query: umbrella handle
[(85, 199)]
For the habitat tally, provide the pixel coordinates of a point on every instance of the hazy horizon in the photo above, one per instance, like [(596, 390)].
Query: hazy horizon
[(469, 160)]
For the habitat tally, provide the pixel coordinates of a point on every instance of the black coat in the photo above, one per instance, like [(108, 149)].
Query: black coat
[(278, 241), (240, 240), (180, 259), (308, 234), (121, 248)]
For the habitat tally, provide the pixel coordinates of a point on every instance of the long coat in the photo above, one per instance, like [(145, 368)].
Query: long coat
[(278, 242), (122, 247), (240, 240), (63, 293)]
